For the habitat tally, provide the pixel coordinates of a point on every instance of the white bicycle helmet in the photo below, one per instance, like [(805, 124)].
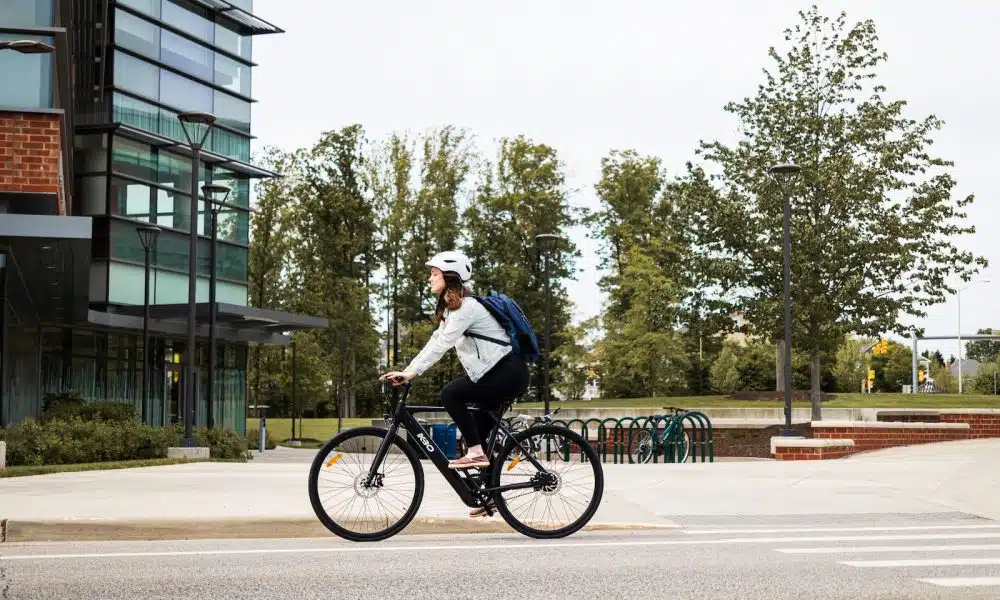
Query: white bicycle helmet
[(456, 262)]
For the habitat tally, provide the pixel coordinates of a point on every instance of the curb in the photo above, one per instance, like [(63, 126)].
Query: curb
[(13, 531)]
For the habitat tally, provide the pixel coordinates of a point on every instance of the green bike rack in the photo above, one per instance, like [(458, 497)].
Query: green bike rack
[(614, 436)]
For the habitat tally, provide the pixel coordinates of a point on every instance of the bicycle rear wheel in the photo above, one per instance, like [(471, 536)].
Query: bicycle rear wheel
[(353, 510), (564, 497)]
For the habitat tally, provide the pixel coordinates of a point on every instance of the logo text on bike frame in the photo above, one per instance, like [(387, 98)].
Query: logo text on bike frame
[(426, 443)]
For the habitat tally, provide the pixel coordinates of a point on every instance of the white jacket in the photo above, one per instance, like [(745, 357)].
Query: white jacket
[(477, 356)]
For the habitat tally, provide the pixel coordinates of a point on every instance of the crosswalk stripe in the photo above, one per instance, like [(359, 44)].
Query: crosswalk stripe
[(962, 581), (863, 549), (922, 562), (843, 529)]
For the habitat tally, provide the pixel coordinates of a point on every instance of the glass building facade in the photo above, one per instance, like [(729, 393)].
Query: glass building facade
[(137, 64)]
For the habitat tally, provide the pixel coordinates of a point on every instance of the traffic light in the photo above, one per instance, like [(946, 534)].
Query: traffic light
[(921, 376)]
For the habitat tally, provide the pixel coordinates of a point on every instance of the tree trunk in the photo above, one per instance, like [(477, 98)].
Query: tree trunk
[(815, 393)]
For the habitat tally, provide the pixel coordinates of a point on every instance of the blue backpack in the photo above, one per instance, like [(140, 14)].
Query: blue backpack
[(512, 319)]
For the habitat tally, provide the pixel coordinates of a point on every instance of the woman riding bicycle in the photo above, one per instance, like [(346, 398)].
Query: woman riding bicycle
[(493, 375)]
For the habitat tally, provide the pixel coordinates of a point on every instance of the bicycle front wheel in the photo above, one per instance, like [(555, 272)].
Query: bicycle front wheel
[(344, 501), (563, 497)]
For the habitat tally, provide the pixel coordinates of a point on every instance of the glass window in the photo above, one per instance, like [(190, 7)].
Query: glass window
[(230, 261), (170, 125), (233, 225), (183, 93), (149, 7), (232, 112), (187, 56), (137, 75), (137, 34), (232, 75), (126, 286), (27, 78), (174, 171), (136, 113), (134, 158), (28, 13), (189, 18), (125, 244), (239, 186), (131, 199), (230, 144), (232, 42)]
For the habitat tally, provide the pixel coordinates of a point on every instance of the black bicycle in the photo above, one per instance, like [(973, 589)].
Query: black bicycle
[(366, 484)]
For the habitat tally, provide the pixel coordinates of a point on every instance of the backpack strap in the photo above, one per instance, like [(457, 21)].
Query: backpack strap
[(485, 338)]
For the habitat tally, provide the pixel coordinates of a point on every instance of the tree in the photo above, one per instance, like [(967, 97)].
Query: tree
[(851, 366), (333, 261), (388, 175), (643, 225), (576, 363), (271, 237), (521, 194), (641, 353), (724, 375), (944, 380), (874, 223), (983, 351)]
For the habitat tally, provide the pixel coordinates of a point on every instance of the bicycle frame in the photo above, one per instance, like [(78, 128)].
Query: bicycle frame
[(467, 486)]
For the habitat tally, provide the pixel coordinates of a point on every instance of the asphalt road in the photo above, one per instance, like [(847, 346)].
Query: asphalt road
[(905, 557)]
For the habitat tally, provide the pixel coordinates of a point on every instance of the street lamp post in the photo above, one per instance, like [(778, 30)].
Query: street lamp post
[(960, 349), (197, 126), (783, 173), (547, 241), (27, 47), (148, 235), (216, 194)]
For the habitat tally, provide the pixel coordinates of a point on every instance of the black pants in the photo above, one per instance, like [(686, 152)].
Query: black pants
[(507, 380)]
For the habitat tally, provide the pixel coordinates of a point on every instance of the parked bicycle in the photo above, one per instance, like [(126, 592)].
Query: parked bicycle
[(366, 484), (674, 440)]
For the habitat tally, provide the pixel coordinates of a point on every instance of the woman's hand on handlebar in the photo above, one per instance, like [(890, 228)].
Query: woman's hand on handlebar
[(397, 377)]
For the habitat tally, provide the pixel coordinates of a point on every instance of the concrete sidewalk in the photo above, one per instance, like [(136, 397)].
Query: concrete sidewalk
[(952, 476)]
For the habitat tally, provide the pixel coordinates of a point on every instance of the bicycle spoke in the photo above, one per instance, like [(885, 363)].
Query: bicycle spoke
[(555, 503), (343, 494)]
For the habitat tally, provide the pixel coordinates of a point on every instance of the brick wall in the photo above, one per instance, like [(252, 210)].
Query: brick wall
[(877, 435), (790, 453), (983, 424), (29, 153)]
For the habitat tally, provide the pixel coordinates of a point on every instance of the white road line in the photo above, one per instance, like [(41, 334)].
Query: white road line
[(922, 562), (962, 581), (522, 546), (836, 529), (863, 549)]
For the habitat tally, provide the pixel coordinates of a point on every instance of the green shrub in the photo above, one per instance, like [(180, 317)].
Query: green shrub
[(224, 443), (112, 412), (62, 405), (69, 441), (253, 440)]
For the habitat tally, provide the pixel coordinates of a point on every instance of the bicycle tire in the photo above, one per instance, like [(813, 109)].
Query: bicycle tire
[(354, 536), (648, 439), (592, 457)]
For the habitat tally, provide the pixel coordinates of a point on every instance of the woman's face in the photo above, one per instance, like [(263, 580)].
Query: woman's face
[(436, 280)]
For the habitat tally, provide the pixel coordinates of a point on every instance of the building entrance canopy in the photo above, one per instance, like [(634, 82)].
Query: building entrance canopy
[(234, 323)]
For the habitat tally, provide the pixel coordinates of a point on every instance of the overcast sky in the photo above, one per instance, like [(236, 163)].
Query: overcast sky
[(587, 76)]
